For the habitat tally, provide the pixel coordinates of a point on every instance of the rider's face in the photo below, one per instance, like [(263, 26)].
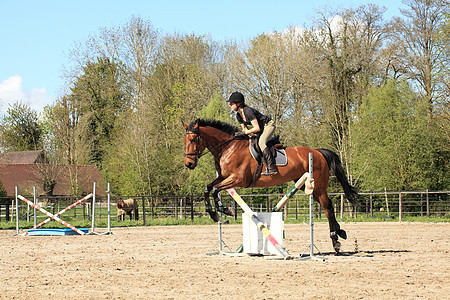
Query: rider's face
[(233, 106)]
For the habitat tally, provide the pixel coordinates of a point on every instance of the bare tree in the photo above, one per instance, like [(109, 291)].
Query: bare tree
[(416, 38)]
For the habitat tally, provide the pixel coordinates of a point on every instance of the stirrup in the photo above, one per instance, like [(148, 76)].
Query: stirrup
[(268, 173)]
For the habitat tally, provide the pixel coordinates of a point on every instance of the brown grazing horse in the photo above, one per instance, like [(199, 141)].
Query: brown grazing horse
[(235, 167), (126, 207)]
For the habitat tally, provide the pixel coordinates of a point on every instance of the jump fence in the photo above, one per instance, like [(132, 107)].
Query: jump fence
[(376, 205)]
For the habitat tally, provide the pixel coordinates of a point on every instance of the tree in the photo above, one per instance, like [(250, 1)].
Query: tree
[(420, 55), (349, 45), (393, 146), (20, 129), (263, 72), (98, 96)]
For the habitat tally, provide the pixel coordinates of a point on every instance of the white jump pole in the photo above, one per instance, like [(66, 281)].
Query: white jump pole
[(93, 211), (220, 242), (311, 220), (34, 208), (17, 211), (108, 194)]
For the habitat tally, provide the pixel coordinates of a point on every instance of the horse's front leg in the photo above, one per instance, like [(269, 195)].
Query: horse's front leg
[(213, 214), (219, 205)]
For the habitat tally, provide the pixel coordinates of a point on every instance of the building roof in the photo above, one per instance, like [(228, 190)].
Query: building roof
[(27, 176), (22, 157)]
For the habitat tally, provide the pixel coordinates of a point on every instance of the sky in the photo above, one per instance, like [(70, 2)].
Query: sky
[(37, 35)]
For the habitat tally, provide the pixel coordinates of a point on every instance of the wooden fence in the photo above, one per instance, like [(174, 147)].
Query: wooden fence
[(384, 204)]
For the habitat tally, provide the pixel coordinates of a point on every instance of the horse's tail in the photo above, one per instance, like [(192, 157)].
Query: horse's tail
[(334, 164)]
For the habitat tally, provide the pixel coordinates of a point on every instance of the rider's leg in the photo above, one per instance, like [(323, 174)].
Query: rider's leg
[(268, 130)]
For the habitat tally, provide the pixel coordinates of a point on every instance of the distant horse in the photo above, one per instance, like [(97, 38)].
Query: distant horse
[(235, 166), (126, 207)]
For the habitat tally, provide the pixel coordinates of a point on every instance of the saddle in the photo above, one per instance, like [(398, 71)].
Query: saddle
[(277, 150)]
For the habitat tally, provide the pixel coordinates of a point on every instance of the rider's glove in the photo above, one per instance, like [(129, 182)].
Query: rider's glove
[(239, 135)]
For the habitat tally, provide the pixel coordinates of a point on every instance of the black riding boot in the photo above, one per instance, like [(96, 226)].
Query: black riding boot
[(270, 162)]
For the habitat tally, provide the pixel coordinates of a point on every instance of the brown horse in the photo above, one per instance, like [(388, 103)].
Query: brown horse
[(126, 207), (235, 166)]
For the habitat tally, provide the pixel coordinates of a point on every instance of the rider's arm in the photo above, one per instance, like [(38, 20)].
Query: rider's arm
[(254, 129)]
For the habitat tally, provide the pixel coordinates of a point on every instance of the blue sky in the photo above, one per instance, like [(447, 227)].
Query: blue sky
[(37, 35)]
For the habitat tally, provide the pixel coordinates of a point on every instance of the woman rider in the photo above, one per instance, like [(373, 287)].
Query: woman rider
[(261, 125)]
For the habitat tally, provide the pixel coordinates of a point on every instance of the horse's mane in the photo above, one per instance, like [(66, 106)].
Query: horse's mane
[(222, 126)]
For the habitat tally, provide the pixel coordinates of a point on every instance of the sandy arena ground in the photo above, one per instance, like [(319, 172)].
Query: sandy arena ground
[(392, 261)]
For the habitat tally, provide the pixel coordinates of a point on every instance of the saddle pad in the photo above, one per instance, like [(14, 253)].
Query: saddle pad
[(280, 156)]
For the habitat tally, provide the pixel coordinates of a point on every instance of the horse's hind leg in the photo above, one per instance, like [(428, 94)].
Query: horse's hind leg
[(335, 228)]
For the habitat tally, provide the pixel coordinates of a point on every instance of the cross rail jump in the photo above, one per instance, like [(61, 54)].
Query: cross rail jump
[(36, 231), (52, 216)]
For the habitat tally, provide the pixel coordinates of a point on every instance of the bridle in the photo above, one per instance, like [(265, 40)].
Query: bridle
[(196, 152)]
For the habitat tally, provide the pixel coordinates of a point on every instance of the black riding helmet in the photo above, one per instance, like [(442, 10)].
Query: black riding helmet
[(236, 97)]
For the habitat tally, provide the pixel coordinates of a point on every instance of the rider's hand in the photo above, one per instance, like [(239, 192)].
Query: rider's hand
[(239, 135)]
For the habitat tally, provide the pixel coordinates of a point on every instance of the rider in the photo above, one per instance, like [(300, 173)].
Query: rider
[(262, 125)]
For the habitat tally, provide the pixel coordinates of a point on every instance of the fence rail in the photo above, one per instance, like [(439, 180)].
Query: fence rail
[(372, 205)]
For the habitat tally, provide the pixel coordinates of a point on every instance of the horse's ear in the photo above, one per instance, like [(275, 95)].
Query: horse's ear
[(184, 125)]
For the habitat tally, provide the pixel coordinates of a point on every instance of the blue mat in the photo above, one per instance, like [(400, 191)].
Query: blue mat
[(56, 231)]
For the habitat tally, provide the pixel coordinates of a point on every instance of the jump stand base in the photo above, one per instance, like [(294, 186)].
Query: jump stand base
[(56, 231)]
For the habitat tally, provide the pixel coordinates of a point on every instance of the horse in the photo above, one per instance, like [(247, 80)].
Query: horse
[(235, 166), (126, 207), (120, 214)]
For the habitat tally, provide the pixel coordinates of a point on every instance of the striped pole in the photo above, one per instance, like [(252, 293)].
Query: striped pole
[(259, 224), (304, 180), (60, 213), (50, 215)]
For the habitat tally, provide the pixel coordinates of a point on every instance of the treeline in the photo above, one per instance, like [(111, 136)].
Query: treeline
[(375, 91)]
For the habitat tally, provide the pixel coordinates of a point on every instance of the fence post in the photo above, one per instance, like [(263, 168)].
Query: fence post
[(367, 208), (153, 207), (371, 204), (400, 207), (192, 207), (428, 205), (8, 207), (342, 206), (143, 211), (421, 204)]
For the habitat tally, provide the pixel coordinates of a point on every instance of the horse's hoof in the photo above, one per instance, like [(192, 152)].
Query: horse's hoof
[(215, 216), (229, 211), (337, 247), (342, 234)]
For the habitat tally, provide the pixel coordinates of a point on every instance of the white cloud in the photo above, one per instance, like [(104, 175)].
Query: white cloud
[(11, 91)]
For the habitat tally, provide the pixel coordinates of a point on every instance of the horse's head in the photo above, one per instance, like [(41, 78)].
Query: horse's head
[(193, 146), (203, 133), (120, 203)]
